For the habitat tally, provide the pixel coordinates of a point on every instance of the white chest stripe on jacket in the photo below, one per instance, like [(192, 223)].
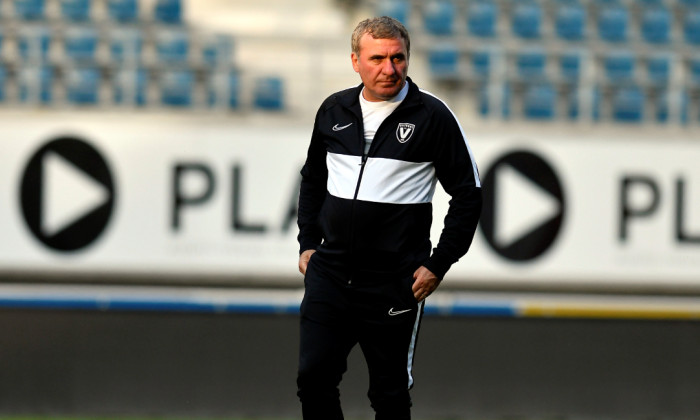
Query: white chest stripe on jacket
[(384, 180)]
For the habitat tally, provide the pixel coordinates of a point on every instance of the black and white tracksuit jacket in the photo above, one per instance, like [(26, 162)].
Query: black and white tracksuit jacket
[(369, 215)]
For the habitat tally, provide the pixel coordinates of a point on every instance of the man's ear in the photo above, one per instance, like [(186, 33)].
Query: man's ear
[(354, 58)]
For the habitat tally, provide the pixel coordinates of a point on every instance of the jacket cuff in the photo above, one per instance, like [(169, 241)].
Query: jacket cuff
[(439, 264)]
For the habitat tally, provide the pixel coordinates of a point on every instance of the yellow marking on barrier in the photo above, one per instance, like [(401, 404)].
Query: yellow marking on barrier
[(609, 312)]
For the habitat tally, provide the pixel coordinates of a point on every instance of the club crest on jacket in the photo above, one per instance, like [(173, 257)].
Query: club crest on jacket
[(404, 132)]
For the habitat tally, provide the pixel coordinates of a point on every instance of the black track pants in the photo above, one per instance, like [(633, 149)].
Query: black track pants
[(382, 317)]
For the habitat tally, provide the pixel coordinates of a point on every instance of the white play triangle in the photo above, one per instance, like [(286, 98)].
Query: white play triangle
[(521, 206), (68, 194)]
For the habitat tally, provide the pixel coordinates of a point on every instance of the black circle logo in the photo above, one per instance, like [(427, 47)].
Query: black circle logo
[(524, 206), (67, 194)]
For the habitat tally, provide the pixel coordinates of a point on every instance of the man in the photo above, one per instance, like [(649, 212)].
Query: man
[(376, 153)]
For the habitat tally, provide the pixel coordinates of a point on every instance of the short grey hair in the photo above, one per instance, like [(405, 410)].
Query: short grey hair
[(383, 27)]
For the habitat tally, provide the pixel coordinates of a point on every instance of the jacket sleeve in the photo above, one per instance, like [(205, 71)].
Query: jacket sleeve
[(312, 193), (457, 172)]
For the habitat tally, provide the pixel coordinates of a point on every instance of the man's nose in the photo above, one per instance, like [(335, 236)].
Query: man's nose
[(389, 67)]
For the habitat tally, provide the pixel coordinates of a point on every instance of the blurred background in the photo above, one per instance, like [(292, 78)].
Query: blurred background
[(149, 170)]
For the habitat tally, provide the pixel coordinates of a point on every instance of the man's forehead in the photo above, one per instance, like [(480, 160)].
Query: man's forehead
[(368, 40)]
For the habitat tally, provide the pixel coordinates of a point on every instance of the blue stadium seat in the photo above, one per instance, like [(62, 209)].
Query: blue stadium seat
[(613, 22), (217, 51), (398, 9), (3, 82), (539, 101), (526, 19), (438, 17), (570, 64), (123, 10), (36, 85), (597, 99), (531, 64), (443, 61), (506, 99), (659, 69), (482, 18), (570, 21), (691, 27), (268, 93), (177, 87), (125, 45), (30, 9), (75, 10), (172, 45), (628, 104), (481, 63), (662, 105), (33, 43), (80, 43), (694, 69), (656, 24), (168, 11), (224, 89), (83, 85), (572, 103), (619, 66), (130, 87)]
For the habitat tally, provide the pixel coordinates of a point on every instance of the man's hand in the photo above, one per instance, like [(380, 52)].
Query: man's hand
[(425, 283), (304, 260)]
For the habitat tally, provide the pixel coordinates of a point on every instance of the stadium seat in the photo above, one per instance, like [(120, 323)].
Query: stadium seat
[(659, 69), (75, 10), (130, 86), (656, 24), (539, 101), (531, 64), (619, 66), (125, 45), (482, 18), (596, 102), (570, 21), (29, 9), (662, 105), (83, 85), (438, 17), (177, 87), (398, 9), (172, 45), (168, 11), (443, 61), (481, 63), (628, 104), (526, 19), (613, 22), (217, 51), (694, 70), (123, 10), (506, 99), (80, 43), (268, 93), (3, 82), (35, 85), (224, 89), (33, 43), (691, 27), (570, 66)]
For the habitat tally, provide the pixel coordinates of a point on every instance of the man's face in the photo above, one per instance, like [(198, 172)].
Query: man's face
[(382, 65)]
